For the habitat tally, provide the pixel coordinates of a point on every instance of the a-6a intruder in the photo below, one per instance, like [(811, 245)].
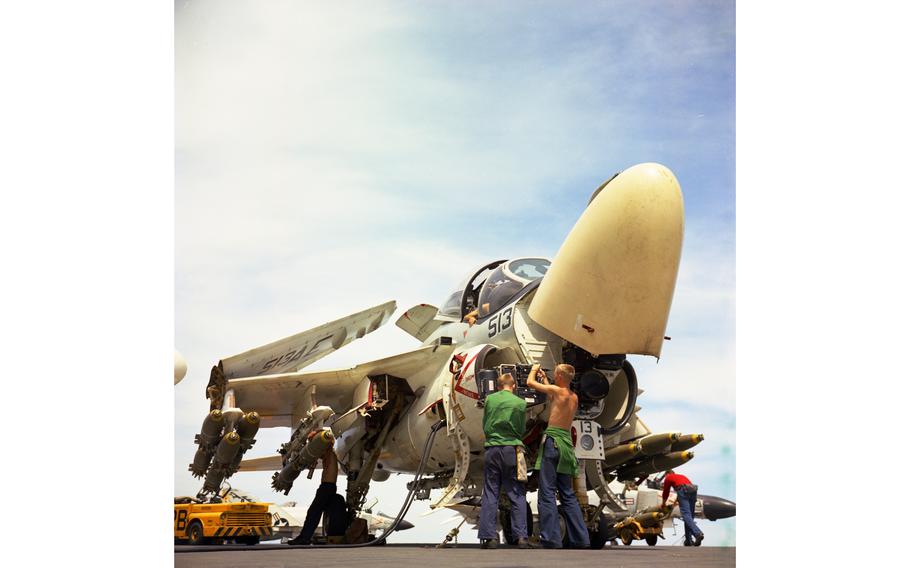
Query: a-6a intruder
[(606, 294)]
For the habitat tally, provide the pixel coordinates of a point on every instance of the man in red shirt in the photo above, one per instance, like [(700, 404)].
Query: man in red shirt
[(686, 494)]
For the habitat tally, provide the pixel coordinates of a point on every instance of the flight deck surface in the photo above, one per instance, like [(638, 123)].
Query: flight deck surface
[(424, 555)]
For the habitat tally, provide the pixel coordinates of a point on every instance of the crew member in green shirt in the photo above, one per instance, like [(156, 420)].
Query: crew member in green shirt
[(503, 427)]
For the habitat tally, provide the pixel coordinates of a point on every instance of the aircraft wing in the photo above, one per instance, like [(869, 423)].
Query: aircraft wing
[(278, 398), (297, 351)]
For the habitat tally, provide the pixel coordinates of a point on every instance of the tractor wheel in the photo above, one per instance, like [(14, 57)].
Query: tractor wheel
[(626, 538), (651, 539), (194, 533)]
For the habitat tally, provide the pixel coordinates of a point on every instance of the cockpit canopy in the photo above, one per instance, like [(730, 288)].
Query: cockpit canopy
[(494, 284)]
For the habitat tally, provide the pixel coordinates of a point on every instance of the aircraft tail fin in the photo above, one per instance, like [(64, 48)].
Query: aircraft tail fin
[(420, 321)]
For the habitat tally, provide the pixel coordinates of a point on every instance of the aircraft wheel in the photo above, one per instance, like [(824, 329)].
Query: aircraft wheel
[(505, 519), (651, 539), (599, 537), (563, 528), (194, 533), (530, 517)]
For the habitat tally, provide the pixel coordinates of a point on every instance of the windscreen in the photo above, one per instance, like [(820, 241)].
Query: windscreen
[(509, 279)]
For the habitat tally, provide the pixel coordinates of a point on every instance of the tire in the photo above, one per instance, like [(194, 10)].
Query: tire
[(530, 520), (563, 529), (505, 519), (651, 539), (626, 538), (194, 533), (600, 537)]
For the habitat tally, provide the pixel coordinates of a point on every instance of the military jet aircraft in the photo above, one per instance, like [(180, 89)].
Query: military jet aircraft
[(606, 294)]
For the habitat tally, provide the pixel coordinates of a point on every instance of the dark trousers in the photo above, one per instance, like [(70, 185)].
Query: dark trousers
[(685, 497), (550, 482), (325, 500), (500, 468)]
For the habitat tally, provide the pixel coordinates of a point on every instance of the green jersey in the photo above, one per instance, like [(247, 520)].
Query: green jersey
[(504, 419), (562, 439)]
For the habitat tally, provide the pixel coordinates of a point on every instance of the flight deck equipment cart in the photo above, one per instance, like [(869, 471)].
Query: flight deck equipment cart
[(647, 526)]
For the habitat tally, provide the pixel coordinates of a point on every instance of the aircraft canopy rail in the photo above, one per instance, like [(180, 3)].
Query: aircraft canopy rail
[(464, 298)]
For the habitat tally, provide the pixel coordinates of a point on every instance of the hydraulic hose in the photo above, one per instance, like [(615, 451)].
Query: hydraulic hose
[(630, 401), (401, 513), (407, 501)]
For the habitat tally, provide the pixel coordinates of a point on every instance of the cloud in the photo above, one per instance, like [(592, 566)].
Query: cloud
[(426, 102), (333, 157)]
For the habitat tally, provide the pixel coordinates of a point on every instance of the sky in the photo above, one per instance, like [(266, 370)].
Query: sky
[(330, 157)]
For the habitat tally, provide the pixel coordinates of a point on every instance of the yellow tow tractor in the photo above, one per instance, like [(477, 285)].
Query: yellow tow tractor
[(647, 526), (196, 522)]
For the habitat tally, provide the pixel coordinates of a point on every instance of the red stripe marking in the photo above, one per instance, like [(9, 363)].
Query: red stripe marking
[(429, 406), (459, 388)]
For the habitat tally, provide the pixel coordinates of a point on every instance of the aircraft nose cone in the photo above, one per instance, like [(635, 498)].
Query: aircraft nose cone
[(610, 286), (718, 508), (405, 525)]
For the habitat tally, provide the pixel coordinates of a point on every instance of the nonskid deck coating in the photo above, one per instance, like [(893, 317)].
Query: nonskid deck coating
[(428, 556)]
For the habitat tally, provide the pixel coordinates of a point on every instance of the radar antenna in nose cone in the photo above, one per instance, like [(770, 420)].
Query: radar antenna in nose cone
[(610, 286)]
